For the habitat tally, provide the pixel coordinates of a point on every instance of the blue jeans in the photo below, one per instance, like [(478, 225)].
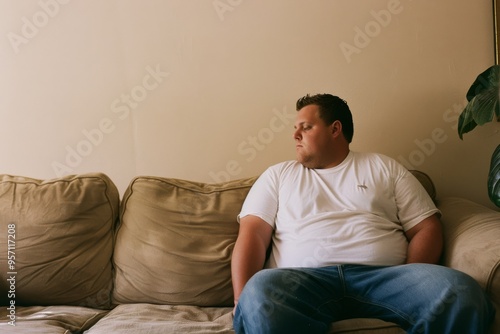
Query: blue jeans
[(421, 298)]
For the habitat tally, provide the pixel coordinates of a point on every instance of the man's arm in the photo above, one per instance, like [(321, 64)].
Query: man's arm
[(249, 252), (425, 241)]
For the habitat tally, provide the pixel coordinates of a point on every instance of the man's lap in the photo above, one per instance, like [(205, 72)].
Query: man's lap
[(405, 294)]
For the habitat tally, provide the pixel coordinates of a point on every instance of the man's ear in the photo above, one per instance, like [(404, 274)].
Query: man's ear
[(336, 128)]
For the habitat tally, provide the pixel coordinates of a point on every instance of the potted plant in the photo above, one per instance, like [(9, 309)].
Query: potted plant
[(483, 106)]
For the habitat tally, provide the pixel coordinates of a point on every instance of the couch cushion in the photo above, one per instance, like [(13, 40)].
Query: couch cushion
[(49, 319), (63, 234), (175, 240), (471, 234), (469, 230), (159, 319)]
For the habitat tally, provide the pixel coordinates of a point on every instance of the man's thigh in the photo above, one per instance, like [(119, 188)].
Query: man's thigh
[(291, 298), (405, 294), (419, 297)]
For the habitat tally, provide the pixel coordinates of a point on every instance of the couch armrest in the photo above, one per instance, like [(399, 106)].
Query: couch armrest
[(472, 243)]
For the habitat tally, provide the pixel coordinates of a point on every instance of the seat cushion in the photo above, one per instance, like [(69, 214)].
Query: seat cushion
[(49, 319), (58, 235), (175, 241), (159, 319)]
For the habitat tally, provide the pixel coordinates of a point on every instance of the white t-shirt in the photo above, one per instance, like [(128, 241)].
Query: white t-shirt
[(353, 213)]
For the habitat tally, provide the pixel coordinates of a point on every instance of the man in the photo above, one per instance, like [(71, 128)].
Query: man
[(352, 235)]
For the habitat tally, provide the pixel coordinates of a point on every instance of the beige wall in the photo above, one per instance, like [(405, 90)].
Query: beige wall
[(205, 90)]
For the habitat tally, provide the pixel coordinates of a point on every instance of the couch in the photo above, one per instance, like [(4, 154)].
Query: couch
[(77, 258)]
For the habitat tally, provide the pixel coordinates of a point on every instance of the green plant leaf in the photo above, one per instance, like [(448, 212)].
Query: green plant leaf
[(466, 122), (494, 178), (484, 105), (483, 97), (484, 81)]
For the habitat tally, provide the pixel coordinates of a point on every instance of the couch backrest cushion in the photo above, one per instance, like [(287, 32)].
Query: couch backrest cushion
[(175, 240), (60, 236)]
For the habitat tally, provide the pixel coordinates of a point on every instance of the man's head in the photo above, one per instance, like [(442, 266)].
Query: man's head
[(331, 109), (322, 140)]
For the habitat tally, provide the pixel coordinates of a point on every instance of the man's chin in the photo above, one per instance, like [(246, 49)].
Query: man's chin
[(305, 163)]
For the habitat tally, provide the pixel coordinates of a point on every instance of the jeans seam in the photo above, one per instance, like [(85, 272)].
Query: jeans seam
[(402, 315), (342, 279), (344, 290)]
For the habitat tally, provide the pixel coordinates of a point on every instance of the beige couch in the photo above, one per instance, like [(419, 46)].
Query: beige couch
[(76, 259)]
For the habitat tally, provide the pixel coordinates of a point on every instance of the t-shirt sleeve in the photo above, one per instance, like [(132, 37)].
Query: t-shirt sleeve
[(262, 199), (413, 202)]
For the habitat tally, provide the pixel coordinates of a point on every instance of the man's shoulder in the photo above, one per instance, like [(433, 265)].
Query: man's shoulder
[(369, 155), (286, 165), (282, 170), (374, 157)]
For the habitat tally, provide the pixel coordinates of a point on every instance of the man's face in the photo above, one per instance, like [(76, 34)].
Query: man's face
[(313, 138)]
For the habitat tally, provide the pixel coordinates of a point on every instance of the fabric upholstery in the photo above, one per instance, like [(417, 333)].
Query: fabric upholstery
[(63, 239), (175, 241), (50, 319), (172, 254), (160, 319), (472, 244)]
